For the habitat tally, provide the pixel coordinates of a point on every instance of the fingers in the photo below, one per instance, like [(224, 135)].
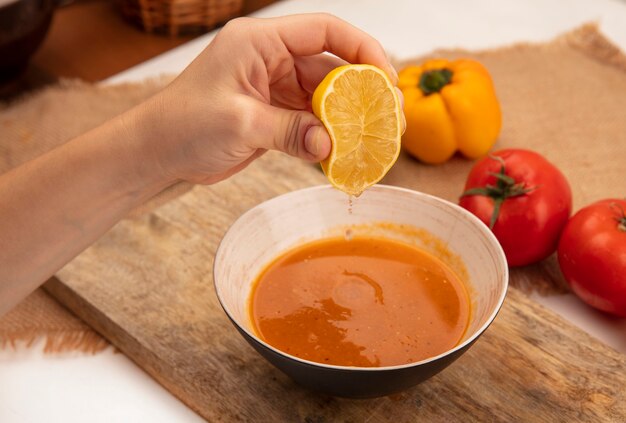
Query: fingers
[(309, 34), (288, 93), (312, 69), (294, 90), (295, 132)]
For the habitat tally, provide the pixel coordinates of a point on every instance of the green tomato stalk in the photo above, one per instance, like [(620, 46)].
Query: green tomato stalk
[(506, 187)]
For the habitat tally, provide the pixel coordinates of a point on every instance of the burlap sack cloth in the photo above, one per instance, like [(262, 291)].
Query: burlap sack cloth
[(565, 99)]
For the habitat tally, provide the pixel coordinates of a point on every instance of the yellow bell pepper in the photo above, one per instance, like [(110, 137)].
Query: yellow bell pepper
[(449, 106)]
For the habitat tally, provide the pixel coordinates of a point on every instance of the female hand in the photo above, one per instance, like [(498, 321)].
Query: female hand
[(249, 91)]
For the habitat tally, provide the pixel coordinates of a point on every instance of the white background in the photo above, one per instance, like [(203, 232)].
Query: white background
[(108, 387)]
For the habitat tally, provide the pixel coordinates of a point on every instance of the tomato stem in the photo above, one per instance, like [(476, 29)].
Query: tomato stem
[(506, 187), (497, 203), (621, 217), (434, 80)]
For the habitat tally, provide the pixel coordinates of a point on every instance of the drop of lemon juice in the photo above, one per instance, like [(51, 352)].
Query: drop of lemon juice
[(348, 232)]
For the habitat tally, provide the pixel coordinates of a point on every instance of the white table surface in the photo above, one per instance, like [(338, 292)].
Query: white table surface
[(108, 387)]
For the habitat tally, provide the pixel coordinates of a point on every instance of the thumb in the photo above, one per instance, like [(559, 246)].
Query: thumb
[(297, 133)]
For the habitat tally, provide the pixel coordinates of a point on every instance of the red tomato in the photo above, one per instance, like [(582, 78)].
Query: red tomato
[(525, 200), (592, 255)]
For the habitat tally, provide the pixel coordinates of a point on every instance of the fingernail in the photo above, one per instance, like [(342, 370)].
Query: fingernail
[(400, 97), (314, 140), (394, 74)]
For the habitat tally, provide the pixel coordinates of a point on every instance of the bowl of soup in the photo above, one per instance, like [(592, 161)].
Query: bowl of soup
[(360, 297)]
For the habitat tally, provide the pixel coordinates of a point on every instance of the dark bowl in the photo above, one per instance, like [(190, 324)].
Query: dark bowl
[(271, 228), (23, 26)]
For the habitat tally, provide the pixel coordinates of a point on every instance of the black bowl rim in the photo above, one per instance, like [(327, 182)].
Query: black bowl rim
[(487, 232)]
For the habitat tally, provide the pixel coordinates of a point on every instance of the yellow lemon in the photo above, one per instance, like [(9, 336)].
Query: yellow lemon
[(361, 110)]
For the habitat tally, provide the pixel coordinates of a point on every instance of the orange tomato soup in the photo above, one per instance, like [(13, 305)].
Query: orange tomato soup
[(363, 302)]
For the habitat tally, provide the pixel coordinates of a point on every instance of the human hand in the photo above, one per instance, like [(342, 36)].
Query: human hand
[(249, 91)]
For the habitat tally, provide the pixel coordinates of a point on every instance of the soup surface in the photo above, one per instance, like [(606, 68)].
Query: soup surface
[(364, 302)]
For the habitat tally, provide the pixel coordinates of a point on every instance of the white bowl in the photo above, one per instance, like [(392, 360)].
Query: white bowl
[(438, 226)]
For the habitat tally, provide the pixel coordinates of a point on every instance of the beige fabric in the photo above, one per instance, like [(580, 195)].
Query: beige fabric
[(40, 315), (564, 99)]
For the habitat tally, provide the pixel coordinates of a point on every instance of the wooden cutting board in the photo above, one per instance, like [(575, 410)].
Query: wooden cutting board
[(147, 287)]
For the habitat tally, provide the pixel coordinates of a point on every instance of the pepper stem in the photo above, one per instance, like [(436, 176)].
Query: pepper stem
[(506, 187), (434, 80)]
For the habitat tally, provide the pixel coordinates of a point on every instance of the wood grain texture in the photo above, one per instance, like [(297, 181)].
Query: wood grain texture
[(147, 287)]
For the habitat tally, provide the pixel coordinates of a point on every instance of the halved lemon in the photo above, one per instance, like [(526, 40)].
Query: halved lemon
[(361, 110)]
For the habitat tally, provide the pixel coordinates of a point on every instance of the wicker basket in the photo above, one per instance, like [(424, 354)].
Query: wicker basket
[(180, 16)]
